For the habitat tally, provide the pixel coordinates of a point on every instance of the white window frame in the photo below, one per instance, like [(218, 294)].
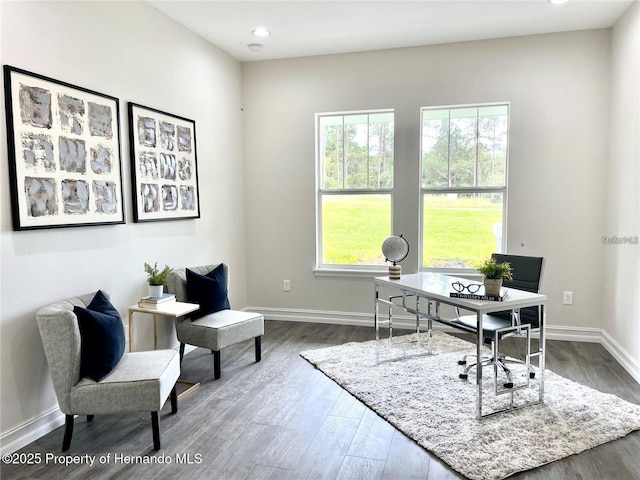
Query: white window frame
[(348, 269), (440, 190)]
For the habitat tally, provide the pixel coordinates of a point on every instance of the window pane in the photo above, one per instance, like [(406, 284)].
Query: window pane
[(465, 112), (493, 111), (354, 227), (435, 148), (382, 117), (492, 147), (462, 148), (330, 152), (460, 230), (357, 151), (381, 140), (357, 119)]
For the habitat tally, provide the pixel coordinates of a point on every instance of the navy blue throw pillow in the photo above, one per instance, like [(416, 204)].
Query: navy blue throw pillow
[(209, 291), (102, 337)]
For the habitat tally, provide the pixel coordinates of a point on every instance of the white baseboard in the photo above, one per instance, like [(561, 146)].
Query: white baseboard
[(31, 430), (579, 334), (629, 363), (574, 334), (314, 316), (571, 334)]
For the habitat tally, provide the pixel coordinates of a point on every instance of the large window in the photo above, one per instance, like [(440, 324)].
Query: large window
[(463, 184), (355, 185)]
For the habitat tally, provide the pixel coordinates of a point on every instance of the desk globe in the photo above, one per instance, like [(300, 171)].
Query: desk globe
[(395, 249)]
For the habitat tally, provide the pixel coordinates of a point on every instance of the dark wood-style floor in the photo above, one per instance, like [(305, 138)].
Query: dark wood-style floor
[(282, 419)]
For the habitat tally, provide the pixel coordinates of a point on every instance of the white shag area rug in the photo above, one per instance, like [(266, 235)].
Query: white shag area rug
[(423, 397)]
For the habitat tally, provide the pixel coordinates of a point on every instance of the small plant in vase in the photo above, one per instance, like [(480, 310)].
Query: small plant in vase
[(494, 273), (156, 278)]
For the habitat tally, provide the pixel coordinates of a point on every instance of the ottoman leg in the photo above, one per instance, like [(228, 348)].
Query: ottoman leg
[(216, 364), (258, 348), (155, 426)]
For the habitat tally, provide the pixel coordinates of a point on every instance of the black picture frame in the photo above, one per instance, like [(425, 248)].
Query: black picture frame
[(164, 165), (64, 151)]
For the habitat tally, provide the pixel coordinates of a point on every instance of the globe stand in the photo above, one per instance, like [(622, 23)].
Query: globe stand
[(395, 249), (394, 272)]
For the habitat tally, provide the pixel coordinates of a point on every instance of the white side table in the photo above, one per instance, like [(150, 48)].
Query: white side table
[(170, 309)]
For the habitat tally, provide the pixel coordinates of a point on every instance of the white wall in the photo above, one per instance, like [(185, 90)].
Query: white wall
[(621, 306), (131, 51), (558, 86)]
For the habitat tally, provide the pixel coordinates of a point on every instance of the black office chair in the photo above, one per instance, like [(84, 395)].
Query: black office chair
[(527, 275)]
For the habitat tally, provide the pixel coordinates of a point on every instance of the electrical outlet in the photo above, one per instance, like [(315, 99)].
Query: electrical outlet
[(286, 285), (567, 298)]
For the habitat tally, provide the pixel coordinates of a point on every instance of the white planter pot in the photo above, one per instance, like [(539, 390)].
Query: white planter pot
[(492, 286), (155, 290)]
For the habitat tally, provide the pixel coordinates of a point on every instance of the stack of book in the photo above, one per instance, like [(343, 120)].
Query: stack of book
[(157, 302), (481, 295)]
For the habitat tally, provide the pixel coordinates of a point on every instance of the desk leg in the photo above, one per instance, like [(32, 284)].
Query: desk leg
[(542, 347), (430, 327), (479, 341), (130, 329), (417, 321), (376, 311), (390, 326)]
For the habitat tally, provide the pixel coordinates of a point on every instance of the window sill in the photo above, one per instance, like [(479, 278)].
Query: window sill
[(468, 274), (346, 273), (354, 273)]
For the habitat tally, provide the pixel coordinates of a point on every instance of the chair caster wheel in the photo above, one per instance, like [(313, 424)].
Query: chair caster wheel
[(532, 374), (462, 362), (508, 385), (463, 376)]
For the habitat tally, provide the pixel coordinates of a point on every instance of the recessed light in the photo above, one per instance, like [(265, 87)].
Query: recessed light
[(557, 2), (255, 47), (261, 32)]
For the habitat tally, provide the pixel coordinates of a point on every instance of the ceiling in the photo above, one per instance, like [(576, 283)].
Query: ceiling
[(305, 28)]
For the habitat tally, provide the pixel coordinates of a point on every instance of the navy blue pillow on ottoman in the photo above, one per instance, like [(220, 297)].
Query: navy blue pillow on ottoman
[(209, 291), (102, 336)]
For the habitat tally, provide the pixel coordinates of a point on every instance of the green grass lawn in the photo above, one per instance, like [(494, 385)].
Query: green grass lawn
[(457, 231), (354, 227)]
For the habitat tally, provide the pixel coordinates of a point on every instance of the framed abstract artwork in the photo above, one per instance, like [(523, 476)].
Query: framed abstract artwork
[(164, 166), (65, 166)]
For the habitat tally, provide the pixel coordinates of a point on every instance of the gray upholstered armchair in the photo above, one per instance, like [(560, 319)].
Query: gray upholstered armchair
[(215, 326), (139, 382)]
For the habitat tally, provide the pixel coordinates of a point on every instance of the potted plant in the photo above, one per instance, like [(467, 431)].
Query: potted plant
[(494, 273), (156, 278)]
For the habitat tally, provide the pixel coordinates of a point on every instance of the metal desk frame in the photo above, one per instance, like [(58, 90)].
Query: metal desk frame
[(435, 289)]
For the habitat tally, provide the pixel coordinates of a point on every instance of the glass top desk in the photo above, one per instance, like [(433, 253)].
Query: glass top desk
[(435, 288)]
